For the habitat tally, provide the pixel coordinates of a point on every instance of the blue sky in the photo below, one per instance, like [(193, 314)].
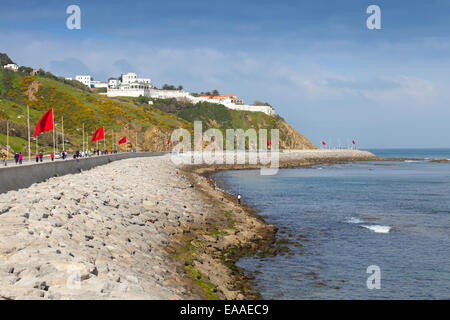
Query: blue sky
[(314, 61)]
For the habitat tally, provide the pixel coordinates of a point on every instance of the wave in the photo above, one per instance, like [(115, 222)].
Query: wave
[(354, 220), (378, 228)]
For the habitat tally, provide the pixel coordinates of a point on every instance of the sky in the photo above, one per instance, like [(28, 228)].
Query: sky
[(315, 61)]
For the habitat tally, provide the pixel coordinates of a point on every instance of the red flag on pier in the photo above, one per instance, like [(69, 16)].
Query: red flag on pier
[(99, 134), (323, 143), (123, 140), (45, 124), (353, 141)]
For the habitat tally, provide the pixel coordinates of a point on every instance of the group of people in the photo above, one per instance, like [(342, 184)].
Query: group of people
[(213, 184), (39, 157)]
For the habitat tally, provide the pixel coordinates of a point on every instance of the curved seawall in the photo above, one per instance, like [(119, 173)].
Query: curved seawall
[(22, 176)]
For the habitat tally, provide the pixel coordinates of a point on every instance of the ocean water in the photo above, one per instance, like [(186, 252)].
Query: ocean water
[(412, 153), (347, 217)]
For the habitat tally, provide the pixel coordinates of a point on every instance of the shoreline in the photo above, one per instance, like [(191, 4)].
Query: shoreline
[(264, 240), (133, 235)]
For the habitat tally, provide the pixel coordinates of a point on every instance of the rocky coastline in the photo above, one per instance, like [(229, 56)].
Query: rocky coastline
[(135, 229)]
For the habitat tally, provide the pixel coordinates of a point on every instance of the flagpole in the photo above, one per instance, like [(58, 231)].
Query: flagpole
[(83, 136), (136, 142), (7, 138), (87, 143), (53, 122), (29, 139), (62, 121)]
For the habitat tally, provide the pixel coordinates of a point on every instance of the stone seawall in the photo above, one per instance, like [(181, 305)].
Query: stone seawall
[(18, 177)]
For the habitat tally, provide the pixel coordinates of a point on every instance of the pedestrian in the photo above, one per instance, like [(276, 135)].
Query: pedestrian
[(37, 157), (239, 198), (52, 156), (20, 158), (41, 156), (5, 162), (16, 157)]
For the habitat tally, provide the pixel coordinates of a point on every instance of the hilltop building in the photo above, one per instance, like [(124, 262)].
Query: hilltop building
[(11, 66), (99, 84), (132, 86), (86, 80), (231, 101)]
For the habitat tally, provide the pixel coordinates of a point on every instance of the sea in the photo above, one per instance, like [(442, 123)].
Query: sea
[(360, 230)]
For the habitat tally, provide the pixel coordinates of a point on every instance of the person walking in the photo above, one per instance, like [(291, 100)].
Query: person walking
[(20, 157), (37, 157), (52, 156), (16, 158), (41, 156), (5, 162), (239, 198)]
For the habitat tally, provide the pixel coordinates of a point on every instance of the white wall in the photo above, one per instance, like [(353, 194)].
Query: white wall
[(166, 94), (128, 92)]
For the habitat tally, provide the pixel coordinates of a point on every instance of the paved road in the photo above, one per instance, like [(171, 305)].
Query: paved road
[(25, 162)]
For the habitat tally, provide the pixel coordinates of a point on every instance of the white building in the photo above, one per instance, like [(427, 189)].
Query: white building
[(130, 90), (114, 83), (167, 94), (86, 80), (129, 78), (99, 84), (11, 66), (130, 86), (231, 101), (132, 77)]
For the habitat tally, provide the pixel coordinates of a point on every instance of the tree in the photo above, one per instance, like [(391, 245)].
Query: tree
[(260, 103), (4, 59), (215, 92), (180, 87)]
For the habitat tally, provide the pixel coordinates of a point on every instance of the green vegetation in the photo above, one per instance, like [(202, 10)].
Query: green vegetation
[(188, 255), (78, 105), (152, 123)]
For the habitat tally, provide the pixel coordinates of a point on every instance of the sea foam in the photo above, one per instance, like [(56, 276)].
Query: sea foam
[(378, 228), (354, 220)]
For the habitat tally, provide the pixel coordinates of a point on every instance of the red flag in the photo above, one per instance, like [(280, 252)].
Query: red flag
[(99, 134), (353, 141), (45, 124), (323, 143), (123, 140), (168, 141)]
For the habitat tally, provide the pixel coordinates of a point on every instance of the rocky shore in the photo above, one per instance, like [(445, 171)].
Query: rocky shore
[(134, 229)]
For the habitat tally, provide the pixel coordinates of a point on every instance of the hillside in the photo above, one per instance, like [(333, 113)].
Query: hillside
[(152, 124), (4, 59), (217, 116)]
